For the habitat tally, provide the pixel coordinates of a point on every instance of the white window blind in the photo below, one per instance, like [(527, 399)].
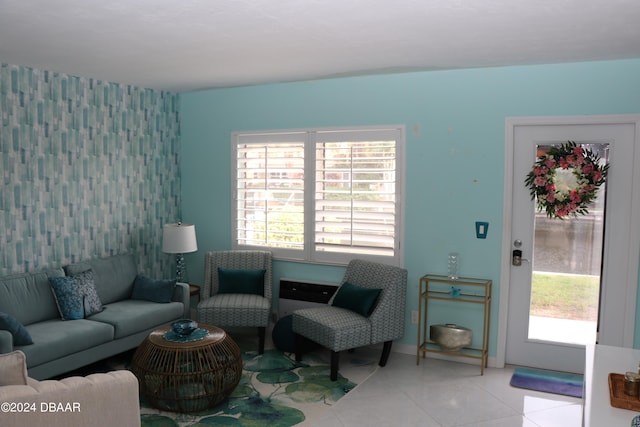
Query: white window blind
[(319, 195), (270, 191)]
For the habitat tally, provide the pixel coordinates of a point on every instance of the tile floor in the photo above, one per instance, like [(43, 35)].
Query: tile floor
[(439, 393)]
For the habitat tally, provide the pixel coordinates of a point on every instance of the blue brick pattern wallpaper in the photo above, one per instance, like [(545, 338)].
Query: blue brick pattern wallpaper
[(89, 169)]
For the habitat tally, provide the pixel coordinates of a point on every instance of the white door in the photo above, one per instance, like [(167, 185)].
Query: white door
[(566, 259)]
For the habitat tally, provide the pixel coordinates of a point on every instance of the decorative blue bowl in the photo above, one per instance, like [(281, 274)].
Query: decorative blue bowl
[(184, 327)]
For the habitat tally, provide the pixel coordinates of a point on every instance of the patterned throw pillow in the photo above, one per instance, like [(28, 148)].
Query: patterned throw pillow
[(76, 296), (92, 303)]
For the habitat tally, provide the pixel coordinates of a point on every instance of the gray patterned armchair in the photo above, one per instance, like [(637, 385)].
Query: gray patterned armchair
[(237, 290), (346, 323)]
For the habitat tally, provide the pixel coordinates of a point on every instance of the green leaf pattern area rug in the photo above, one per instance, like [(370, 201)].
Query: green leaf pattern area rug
[(274, 391)]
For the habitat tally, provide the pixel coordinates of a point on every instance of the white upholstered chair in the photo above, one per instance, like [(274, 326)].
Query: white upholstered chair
[(97, 400)]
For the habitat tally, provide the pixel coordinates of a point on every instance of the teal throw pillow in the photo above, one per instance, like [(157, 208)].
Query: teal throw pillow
[(241, 281), (20, 334), (356, 298), (68, 298), (153, 290)]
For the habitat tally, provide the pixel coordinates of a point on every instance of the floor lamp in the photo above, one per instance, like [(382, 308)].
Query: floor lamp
[(179, 239)]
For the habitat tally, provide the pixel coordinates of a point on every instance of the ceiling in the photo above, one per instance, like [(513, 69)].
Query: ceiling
[(183, 45)]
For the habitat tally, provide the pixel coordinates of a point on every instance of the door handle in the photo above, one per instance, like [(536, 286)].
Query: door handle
[(516, 258)]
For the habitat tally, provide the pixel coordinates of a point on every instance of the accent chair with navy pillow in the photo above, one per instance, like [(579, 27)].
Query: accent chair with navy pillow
[(237, 291), (368, 308)]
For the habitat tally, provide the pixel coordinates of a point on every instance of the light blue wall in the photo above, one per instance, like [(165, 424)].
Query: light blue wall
[(89, 169), (455, 124)]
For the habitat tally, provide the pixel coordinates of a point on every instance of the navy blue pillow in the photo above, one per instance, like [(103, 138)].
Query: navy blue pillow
[(240, 281), (20, 334), (148, 289), (356, 298)]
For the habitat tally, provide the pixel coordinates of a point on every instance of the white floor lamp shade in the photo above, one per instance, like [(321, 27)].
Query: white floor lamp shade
[(179, 239)]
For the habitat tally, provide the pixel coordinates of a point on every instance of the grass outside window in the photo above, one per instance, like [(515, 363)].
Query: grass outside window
[(565, 296)]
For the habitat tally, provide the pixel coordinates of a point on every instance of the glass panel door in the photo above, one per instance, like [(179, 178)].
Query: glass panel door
[(595, 254), (567, 267)]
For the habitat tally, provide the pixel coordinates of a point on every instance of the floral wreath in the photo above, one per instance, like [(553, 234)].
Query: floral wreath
[(560, 203)]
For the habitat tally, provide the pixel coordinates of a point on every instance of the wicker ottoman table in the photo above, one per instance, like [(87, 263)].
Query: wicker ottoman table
[(187, 374)]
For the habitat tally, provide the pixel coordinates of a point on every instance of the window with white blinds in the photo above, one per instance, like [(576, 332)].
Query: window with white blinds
[(325, 195)]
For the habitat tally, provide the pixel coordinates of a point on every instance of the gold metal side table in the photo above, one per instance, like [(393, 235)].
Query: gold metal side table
[(471, 291)]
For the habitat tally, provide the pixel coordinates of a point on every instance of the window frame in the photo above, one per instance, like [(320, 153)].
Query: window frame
[(311, 139)]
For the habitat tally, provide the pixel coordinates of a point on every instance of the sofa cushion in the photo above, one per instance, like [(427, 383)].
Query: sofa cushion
[(18, 332), (113, 276), (235, 310), (13, 368), (131, 316), (152, 290), (54, 339), (28, 296), (333, 327)]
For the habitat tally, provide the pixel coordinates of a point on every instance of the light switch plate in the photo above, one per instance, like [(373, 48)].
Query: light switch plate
[(481, 229)]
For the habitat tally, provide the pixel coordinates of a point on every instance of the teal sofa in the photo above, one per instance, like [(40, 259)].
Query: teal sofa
[(60, 346)]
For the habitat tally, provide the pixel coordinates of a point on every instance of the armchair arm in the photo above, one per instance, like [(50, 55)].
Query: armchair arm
[(6, 341), (387, 320), (182, 294), (97, 400)]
